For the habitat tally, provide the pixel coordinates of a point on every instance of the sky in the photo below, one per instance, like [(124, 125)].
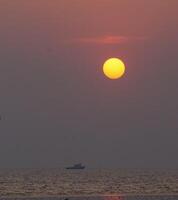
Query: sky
[(58, 108)]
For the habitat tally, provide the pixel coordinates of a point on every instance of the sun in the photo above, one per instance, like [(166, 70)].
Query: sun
[(114, 68)]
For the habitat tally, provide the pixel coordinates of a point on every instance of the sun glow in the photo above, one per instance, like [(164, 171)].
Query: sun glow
[(114, 68)]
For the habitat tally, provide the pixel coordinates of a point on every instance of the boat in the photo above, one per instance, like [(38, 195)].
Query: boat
[(76, 166)]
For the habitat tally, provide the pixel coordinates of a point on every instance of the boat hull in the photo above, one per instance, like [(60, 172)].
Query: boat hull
[(75, 168)]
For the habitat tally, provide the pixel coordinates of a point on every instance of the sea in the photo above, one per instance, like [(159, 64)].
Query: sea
[(89, 184)]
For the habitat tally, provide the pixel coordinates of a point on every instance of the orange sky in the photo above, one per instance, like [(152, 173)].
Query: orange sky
[(52, 85), (78, 18)]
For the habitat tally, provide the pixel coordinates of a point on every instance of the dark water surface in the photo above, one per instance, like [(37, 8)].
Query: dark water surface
[(42, 183), (136, 197)]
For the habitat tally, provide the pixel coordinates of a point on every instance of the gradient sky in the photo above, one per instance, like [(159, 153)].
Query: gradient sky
[(57, 108)]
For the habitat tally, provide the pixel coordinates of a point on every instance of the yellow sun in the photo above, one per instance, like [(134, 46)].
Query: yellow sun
[(114, 68)]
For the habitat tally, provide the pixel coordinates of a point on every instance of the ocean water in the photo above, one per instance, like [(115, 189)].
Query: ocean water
[(104, 184)]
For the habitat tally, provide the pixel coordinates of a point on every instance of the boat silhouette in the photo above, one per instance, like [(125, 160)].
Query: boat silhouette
[(76, 166)]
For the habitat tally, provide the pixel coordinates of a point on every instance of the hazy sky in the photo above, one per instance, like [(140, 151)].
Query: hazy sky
[(57, 107)]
